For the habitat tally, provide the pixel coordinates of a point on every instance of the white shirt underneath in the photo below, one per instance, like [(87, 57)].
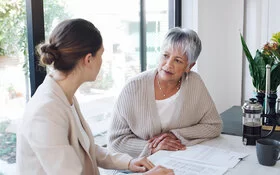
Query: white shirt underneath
[(165, 109), (84, 134)]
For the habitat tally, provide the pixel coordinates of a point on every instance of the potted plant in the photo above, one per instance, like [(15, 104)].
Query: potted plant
[(268, 55)]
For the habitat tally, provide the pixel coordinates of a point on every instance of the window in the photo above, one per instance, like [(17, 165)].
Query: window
[(13, 70), (14, 79), (120, 28), (156, 28)]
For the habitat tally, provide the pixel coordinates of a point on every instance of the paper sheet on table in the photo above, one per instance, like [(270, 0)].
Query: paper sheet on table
[(209, 155), (183, 167)]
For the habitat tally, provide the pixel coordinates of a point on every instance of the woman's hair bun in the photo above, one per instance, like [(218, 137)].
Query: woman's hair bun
[(48, 54)]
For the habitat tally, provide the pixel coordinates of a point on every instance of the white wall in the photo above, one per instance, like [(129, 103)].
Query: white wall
[(219, 23), (222, 64), (261, 22), (255, 34), (273, 18)]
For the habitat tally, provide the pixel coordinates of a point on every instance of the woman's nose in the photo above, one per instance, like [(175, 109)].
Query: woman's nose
[(168, 65), (169, 62)]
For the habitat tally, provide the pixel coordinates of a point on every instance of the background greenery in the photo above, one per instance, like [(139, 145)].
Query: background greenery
[(13, 43), (13, 30), (12, 27), (7, 144), (13, 34)]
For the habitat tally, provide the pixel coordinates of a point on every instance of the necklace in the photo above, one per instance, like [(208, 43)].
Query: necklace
[(178, 86)]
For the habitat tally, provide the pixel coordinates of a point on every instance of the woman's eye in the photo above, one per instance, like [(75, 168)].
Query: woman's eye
[(165, 56), (178, 61)]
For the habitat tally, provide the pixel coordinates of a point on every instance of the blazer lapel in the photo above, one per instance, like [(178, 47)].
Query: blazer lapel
[(79, 135), (89, 164), (86, 128)]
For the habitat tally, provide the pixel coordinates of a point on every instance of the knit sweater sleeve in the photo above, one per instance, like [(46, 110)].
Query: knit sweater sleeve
[(209, 123), (122, 139), (208, 127), (125, 135)]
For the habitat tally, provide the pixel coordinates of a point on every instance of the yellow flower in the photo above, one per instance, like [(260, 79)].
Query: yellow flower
[(276, 37)]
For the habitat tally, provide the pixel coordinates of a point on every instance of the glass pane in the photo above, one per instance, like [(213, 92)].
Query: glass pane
[(156, 28), (119, 27), (13, 59), (14, 82)]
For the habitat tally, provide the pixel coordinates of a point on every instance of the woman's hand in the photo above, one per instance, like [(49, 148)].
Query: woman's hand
[(157, 139), (140, 165), (165, 141), (159, 170)]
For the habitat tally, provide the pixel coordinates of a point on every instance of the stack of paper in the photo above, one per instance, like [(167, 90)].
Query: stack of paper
[(198, 159)]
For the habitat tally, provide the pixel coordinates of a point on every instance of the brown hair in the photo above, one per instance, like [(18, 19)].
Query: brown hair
[(70, 41)]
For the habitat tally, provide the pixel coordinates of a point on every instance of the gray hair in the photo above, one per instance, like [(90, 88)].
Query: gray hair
[(186, 40)]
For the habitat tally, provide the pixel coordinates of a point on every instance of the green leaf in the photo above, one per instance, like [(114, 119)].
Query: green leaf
[(275, 77), (260, 70), (252, 66), (246, 50)]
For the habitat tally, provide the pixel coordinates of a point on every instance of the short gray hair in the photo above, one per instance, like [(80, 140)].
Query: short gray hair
[(186, 40)]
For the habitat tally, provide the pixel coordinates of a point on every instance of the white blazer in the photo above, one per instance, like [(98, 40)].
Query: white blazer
[(50, 142)]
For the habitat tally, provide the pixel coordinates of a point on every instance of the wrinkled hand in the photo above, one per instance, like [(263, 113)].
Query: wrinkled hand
[(156, 139), (165, 141), (140, 165), (159, 170)]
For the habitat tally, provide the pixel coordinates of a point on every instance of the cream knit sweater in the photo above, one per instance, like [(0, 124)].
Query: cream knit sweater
[(135, 118)]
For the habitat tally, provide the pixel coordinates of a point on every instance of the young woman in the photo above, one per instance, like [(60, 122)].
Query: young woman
[(54, 138)]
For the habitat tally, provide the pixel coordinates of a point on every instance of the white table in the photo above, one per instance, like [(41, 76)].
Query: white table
[(249, 165)]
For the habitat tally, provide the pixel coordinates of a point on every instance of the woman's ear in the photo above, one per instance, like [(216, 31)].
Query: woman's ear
[(87, 59), (189, 68)]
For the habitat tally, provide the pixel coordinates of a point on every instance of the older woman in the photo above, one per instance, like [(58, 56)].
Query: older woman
[(168, 108)]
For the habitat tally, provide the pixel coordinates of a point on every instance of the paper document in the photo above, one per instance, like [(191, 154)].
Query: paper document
[(198, 160), (210, 155), (181, 167)]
